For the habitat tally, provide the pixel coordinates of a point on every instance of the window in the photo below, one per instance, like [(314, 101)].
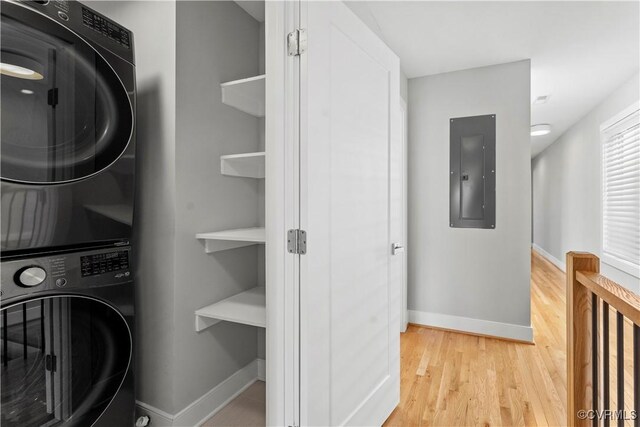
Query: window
[(621, 191)]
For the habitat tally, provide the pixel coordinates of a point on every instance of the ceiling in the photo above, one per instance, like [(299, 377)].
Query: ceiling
[(580, 51)]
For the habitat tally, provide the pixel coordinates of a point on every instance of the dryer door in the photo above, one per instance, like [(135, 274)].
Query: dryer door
[(63, 360), (65, 113)]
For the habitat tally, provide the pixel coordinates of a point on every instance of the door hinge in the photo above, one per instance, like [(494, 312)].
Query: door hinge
[(297, 42), (297, 242)]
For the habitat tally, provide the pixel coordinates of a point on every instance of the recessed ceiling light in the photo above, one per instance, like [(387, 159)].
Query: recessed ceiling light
[(27, 91), (541, 99), (19, 72), (539, 130)]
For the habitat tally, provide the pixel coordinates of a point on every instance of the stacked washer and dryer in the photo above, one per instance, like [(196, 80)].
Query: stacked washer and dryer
[(67, 168)]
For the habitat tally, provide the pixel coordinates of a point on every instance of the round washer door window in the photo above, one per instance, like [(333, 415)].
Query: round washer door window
[(63, 361), (65, 113)]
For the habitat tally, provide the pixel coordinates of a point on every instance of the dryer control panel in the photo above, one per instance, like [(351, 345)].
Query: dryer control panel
[(86, 22), (66, 271)]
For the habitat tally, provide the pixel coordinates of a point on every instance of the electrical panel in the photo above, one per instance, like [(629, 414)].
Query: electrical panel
[(472, 185)]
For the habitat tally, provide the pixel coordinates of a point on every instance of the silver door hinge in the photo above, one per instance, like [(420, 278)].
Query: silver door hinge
[(297, 42), (297, 242)]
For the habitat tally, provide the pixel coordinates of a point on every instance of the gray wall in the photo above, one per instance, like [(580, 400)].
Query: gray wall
[(216, 42), (567, 186), (455, 273), (154, 215)]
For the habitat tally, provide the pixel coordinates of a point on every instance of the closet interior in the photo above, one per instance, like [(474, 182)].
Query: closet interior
[(244, 92)]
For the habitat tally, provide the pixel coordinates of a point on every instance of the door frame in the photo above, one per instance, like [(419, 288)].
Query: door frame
[(282, 214), (404, 121)]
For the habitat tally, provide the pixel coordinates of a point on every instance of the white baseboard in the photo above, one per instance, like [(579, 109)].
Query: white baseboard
[(473, 326), (262, 369), (553, 260), (211, 402)]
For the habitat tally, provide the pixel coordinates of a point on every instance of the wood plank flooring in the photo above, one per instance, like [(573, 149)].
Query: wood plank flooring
[(453, 379), (246, 410)]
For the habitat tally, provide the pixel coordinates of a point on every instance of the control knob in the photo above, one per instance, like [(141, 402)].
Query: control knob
[(30, 276)]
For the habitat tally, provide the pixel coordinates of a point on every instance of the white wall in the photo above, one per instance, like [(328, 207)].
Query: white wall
[(567, 187), (474, 280)]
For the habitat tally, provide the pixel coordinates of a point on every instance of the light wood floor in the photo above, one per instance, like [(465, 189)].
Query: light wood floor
[(246, 410), (452, 379)]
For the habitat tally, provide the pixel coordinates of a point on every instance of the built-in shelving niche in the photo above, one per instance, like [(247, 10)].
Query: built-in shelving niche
[(246, 95)]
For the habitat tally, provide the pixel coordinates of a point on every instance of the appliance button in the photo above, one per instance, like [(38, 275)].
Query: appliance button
[(61, 283), (31, 276), (63, 16)]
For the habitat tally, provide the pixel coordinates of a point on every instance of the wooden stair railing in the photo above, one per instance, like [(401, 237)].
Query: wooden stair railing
[(591, 296)]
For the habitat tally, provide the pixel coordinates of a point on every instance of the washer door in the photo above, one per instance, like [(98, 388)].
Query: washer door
[(63, 360), (65, 113)]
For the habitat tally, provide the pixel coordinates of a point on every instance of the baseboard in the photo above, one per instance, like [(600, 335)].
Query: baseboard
[(473, 326), (211, 402), (262, 369), (553, 260)]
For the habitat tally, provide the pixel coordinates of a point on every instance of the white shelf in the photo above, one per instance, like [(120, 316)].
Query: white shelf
[(245, 95), (231, 239), (247, 308), (250, 165)]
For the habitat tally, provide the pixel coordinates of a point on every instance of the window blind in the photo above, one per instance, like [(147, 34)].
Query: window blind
[(621, 193)]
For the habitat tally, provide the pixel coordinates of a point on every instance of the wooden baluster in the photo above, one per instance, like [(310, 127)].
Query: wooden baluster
[(636, 374), (594, 354), (579, 333), (606, 379), (620, 357)]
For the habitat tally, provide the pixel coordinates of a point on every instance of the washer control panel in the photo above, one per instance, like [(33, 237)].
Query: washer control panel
[(66, 271)]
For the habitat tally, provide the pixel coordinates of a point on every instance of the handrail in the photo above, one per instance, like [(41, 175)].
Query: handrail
[(586, 287), (618, 297)]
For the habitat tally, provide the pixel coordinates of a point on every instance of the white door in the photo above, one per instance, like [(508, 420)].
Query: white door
[(350, 292)]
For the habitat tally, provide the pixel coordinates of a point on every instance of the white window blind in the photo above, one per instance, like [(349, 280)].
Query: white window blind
[(621, 192)]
